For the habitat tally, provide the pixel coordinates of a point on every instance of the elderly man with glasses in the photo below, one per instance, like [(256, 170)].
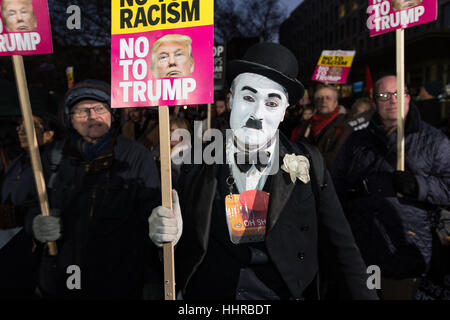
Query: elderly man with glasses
[(102, 192), (389, 210)]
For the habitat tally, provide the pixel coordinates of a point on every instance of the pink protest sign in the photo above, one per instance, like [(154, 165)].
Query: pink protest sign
[(333, 66), (162, 53), (25, 28), (389, 15)]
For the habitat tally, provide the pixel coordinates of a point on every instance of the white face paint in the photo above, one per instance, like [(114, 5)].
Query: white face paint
[(258, 105)]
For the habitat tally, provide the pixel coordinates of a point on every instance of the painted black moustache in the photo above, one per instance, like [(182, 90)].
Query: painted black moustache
[(254, 123)]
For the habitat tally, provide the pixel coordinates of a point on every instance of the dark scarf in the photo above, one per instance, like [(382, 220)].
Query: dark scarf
[(88, 150), (412, 122), (91, 151)]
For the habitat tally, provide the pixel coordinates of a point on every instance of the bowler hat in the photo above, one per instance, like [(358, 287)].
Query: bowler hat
[(273, 61)]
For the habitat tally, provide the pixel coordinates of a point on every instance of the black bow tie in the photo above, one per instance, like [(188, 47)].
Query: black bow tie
[(245, 160)]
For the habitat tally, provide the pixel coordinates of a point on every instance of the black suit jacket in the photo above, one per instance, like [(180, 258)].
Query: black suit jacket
[(293, 229)]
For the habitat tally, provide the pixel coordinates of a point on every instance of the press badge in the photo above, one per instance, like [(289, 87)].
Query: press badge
[(247, 216)]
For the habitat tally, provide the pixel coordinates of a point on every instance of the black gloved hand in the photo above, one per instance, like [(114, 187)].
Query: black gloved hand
[(406, 184)]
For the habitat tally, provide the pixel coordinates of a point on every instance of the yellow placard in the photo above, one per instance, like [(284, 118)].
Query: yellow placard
[(134, 16), (335, 61)]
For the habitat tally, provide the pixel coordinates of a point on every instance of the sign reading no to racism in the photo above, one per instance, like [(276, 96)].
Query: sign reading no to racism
[(333, 66)]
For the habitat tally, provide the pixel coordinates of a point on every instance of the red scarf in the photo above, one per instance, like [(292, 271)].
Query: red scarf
[(320, 121)]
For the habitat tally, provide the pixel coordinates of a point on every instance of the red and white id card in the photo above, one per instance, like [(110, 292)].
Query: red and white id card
[(247, 216)]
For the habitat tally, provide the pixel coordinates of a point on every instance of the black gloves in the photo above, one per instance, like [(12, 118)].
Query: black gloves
[(406, 184)]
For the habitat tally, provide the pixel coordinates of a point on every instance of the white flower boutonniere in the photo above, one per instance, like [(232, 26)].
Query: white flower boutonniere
[(297, 167)]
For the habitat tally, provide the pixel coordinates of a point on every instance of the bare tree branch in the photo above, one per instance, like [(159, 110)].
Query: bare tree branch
[(252, 18)]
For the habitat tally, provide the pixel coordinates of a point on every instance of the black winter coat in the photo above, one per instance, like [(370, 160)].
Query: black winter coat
[(104, 207), (294, 227), (393, 233)]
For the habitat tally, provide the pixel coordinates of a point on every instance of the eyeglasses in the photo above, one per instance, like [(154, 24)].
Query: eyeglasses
[(85, 112), (385, 96)]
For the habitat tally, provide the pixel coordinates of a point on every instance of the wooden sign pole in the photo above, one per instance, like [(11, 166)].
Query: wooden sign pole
[(209, 117), (176, 111), (400, 50), (36, 165), (166, 193)]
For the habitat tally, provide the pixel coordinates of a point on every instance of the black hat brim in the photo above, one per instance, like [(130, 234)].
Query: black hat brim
[(294, 87)]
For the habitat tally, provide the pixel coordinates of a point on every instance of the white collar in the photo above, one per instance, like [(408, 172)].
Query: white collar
[(253, 179)]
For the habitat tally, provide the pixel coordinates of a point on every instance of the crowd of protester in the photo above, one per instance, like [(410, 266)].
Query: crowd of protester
[(357, 142)]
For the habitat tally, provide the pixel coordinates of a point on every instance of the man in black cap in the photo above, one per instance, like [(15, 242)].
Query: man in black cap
[(101, 192), (248, 230)]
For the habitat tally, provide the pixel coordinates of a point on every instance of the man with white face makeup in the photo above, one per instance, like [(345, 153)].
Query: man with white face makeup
[(260, 100), (258, 107), (215, 257)]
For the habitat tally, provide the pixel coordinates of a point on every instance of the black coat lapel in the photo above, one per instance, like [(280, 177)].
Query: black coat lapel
[(205, 204), (280, 191), (199, 190)]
